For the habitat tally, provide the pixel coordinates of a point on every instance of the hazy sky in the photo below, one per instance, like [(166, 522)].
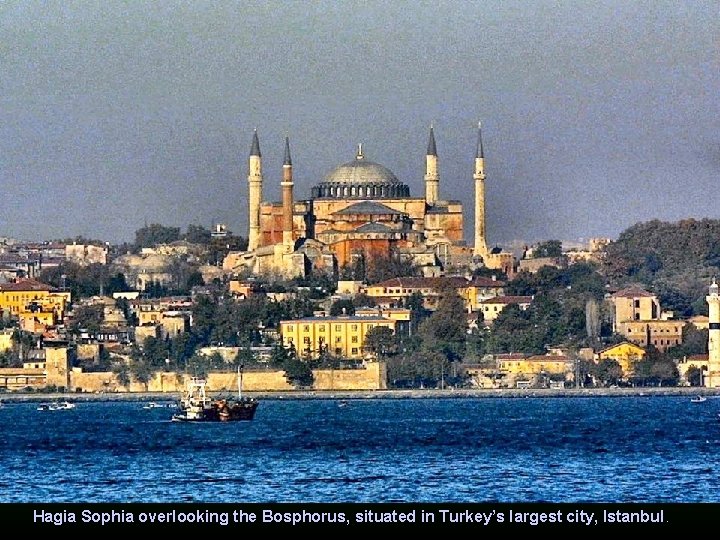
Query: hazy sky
[(595, 115)]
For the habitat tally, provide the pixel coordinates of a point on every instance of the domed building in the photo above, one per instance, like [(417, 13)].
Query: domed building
[(361, 209)]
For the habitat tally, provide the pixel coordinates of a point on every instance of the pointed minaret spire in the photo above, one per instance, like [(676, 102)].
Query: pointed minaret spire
[(288, 159), (359, 152), (480, 249), (432, 177), (255, 181), (287, 200), (432, 148), (255, 148), (479, 153)]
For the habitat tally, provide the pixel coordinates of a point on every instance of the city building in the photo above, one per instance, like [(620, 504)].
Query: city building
[(30, 299), (342, 336), (492, 307), (360, 210), (639, 318), (473, 291), (626, 354)]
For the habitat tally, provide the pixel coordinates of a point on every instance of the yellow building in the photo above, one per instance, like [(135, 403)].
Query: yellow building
[(401, 316), (473, 292), (6, 340), (492, 307), (340, 336), (530, 366), (30, 296), (625, 353), (661, 334)]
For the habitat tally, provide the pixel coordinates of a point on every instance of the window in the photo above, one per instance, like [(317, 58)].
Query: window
[(338, 328), (354, 350), (353, 327), (306, 340), (306, 328), (354, 339), (637, 303), (338, 340), (321, 328), (289, 327), (338, 350)]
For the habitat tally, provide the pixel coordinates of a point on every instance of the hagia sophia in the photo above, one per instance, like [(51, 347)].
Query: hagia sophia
[(362, 210)]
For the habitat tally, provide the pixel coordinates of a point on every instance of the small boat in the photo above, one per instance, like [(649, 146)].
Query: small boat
[(58, 406), (196, 406), (155, 405), (698, 399), (342, 403)]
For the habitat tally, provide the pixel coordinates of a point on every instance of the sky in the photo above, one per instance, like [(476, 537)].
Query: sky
[(596, 115)]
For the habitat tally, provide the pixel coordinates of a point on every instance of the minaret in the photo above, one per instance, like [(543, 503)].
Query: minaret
[(432, 178), (480, 249), (712, 379), (255, 180), (287, 199)]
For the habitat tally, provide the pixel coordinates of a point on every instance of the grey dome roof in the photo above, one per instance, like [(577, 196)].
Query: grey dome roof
[(361, 179), (361, 171)]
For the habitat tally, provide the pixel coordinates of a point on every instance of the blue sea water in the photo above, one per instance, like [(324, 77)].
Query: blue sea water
[(641, 449)]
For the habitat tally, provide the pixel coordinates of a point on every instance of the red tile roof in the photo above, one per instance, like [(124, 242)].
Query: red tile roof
[(25, 285), (633, 292)]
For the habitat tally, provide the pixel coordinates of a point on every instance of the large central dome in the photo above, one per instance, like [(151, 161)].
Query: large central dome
[(361, 179)]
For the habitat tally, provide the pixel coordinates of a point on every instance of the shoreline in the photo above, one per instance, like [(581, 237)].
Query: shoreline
[(380, 394)]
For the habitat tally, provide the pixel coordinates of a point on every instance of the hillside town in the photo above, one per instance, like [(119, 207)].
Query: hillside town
[(359, 287)]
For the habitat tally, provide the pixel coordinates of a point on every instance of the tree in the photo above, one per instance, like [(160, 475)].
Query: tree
[(298, 373), (122, 373), (607, 371), (280, 355), (445, 330), (342, 307), (592, 319), (380, 341), (197, 234), (549, 248), (694, 376), (10, 359), (363, 300), (152, 235), (88, 318)]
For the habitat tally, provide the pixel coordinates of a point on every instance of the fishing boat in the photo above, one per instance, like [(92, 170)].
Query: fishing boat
[(698, 399), (197, 406)]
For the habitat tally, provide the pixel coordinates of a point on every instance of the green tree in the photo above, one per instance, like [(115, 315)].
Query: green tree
[(197, 234), (608, 371), (298, 373), (694, 376), (122, 373), (380, 341), (445, 330), (342, 307), (154, 234), (549, 248), (363, 300), (89, 318)]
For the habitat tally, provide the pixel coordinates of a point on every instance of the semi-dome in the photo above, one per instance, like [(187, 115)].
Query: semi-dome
[(361, 179)]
